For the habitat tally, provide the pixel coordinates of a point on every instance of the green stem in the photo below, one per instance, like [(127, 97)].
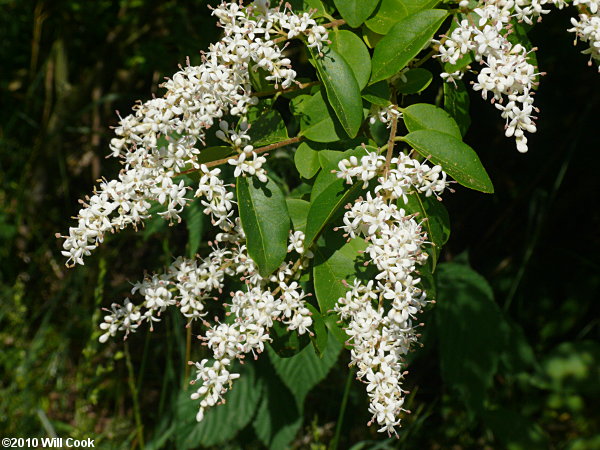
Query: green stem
[(340, 421), (134, 393)]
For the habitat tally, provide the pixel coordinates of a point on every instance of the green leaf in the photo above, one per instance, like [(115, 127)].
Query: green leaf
[(305, 5), (318, 121), (328, 206), (306, 160), (267, 128), (355, 12), (330, 194), (342, 89), (265, 221), (458, 159), (423, 116), (434, 216), (472, 332), (298, 210), (305, 370), (403, 42), (332, 266), (194, 221), (355, 53), (387, 14), (413, 6), (378, 94), (457, 102), (370, 37), (221, 422), (417, 81)]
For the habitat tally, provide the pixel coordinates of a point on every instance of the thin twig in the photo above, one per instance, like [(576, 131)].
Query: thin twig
[(334, 23), (391, 140), (266, 148)]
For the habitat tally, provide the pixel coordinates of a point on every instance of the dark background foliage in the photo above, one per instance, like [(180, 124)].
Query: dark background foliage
[(67, 65)]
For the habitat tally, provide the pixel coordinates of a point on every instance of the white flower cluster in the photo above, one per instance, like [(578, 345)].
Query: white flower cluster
[(254, 311), (159, 139), (384, 114), (506, 72), (587, 28), (405, 175), (380, 313), (187, 284)]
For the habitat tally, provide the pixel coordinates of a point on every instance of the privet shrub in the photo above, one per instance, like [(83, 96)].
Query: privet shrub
[(346, 258)]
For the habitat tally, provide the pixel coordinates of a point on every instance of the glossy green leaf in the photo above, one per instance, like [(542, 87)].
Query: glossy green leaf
[(220, 423), (370, 37), (318, 121), (386, 15), (331, 267), (472, 332), (330, 194), (355, 12), (328, 206), (298, 210), (434, 216), (265, 220), (403, 42), (458, 159), (342, 89), (355, 53), (306, 160), (416, 81), (423, 116), (378, 93), (457, 102), (305, 5), (413, 6), (267, 128)]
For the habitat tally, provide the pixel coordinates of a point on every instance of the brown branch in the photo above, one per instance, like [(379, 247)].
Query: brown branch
[(266, 148), (334, 23), (391, 140)]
